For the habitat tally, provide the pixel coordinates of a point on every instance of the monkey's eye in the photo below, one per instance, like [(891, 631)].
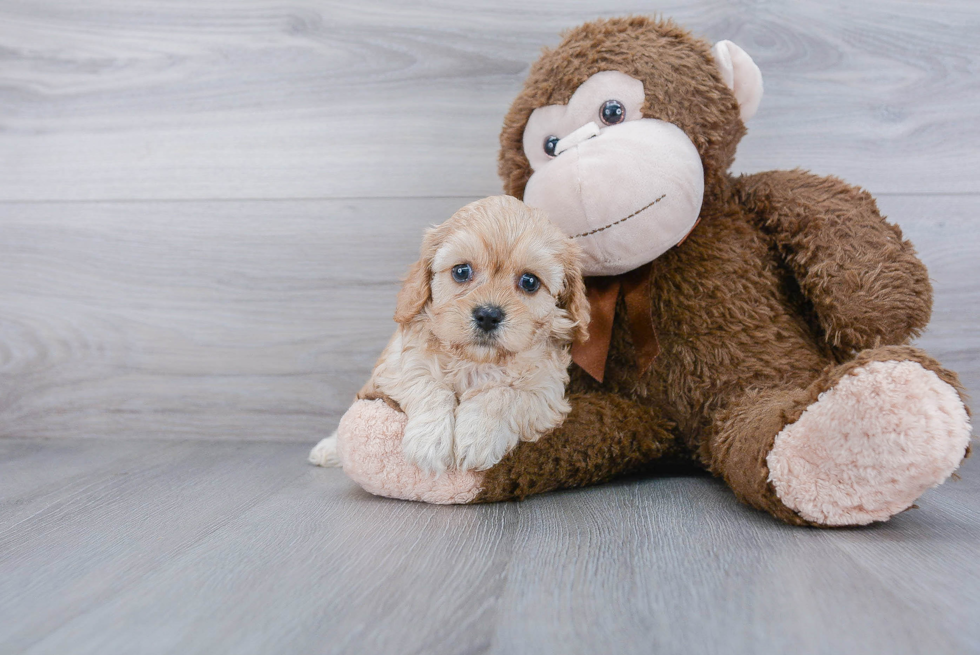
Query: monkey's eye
[(462, 272), (612, 112), (549, 145), (529, 283)]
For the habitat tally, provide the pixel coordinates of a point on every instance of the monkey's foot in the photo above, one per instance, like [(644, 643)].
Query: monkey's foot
[(369, 442), (870, 445)]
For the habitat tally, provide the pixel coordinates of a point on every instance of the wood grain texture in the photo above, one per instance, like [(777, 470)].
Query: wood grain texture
[(238, 320), (216, 547), (260, 320), (258, 99)]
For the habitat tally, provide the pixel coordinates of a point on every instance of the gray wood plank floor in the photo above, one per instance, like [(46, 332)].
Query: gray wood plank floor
[(204, 210), (213, 547)]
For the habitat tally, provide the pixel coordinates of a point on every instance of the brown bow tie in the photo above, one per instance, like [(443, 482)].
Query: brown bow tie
[(603, 292)]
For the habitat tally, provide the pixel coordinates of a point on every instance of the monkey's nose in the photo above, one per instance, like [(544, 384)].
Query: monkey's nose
[(583, 133), (488, 317)]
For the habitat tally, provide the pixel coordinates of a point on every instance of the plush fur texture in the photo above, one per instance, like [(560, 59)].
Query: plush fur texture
[(791, 286), (371, 452), (859, 455), (471, 394)]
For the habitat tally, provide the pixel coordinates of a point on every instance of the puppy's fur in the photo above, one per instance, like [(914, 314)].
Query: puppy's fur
[(471, 395)]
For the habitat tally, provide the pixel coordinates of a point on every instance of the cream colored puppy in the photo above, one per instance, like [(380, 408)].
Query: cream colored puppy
[(486, 319)]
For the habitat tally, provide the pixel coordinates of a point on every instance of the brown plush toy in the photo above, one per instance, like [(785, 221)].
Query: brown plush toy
[(757, 326)]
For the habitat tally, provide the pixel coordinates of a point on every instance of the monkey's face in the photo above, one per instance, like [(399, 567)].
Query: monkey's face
[(624, 187), (620, 128)]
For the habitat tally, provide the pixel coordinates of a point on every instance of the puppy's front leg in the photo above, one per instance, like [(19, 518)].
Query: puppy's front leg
[(485, 430), (407, 374), (490, 423), (428, 440)]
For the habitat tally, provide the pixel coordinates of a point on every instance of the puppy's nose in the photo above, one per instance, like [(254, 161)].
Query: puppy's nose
[(488, 317)]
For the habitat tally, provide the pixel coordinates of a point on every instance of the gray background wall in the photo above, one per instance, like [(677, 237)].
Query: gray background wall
[(205, 206)]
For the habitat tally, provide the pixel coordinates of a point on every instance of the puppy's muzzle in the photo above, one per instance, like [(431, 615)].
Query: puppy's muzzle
[(488, 317)]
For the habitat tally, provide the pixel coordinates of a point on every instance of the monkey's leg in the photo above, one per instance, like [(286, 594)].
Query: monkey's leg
[(603, 436), (859, 444)]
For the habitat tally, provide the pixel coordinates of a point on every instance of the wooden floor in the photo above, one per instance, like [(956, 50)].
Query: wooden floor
[(207, 547), (204, 209)]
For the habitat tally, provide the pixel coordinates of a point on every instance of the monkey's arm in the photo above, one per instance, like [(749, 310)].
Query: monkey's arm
[(863, 279), (604, 436)]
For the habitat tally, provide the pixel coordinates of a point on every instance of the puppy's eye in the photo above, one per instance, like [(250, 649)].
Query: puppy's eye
[(549, 145), (529, 283), (612, 112), (462, 272)]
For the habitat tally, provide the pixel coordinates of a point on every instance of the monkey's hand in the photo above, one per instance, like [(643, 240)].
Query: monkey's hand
[(369, 442)]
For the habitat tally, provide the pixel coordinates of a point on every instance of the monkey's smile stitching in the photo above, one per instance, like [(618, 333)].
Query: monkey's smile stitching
[(622, 220)]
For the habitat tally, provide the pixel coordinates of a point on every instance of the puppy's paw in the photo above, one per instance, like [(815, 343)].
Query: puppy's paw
[(428, 441), (481, 440), (325, 453)]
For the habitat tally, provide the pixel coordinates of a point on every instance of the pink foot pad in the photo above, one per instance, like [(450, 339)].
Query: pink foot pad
[(369, 442), (870, 446)]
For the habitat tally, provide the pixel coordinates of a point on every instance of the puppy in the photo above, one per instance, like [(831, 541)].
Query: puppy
[(486, 319)]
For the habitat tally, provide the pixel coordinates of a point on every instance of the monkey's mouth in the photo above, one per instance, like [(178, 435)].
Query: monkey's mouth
[(622, 220)]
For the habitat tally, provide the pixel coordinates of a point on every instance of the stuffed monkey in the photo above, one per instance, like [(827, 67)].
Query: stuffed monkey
[(756, 326)]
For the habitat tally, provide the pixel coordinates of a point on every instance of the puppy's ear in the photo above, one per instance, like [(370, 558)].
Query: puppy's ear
[(573, 298), (414, 293), (416, 287)]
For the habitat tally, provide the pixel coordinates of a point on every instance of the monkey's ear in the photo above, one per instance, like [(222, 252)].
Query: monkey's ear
[(573, 298), (741, 75)]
